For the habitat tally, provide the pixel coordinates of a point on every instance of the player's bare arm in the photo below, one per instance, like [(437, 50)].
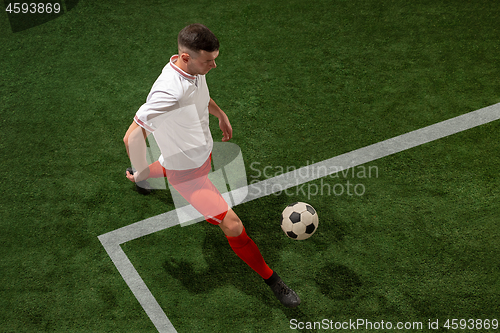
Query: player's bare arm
[(224, 123), (135, 142)]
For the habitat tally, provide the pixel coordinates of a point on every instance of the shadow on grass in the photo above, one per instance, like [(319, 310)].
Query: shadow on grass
[(224, 266), (224, 269)]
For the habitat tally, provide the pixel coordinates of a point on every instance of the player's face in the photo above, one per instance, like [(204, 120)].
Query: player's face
[(202, 63)]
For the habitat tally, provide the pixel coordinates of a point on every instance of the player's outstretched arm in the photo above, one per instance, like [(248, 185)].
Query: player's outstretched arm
[(224, 123), (135, 142)]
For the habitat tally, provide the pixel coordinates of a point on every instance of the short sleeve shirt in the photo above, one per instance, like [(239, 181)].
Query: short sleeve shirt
[(176, 112)]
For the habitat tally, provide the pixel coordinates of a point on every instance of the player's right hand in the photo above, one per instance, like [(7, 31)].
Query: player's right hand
[(130, 176)]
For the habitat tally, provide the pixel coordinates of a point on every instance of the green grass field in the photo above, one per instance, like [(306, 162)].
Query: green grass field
[(301, 82)]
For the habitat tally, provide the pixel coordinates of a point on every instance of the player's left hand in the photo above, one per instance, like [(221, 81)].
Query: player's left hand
[(225, 127)]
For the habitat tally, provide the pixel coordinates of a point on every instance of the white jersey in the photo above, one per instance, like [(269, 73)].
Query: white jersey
[(176, 112)]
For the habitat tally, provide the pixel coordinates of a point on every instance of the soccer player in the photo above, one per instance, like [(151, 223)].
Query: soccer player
[(176, 113)]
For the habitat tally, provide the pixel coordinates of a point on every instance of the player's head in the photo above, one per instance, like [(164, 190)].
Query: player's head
[(198, 48), (197, 37)]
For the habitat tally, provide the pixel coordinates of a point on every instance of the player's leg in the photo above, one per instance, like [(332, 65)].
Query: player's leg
[(200, 192), (156, 170), (243, 245), (248, 251), (231, 225)]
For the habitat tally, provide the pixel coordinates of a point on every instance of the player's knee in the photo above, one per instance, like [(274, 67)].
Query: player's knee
[(231, 224)]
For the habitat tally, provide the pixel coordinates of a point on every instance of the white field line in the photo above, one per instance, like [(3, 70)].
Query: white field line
[(112, 240)]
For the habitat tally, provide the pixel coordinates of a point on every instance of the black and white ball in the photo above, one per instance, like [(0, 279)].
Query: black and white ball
[(299, 220)]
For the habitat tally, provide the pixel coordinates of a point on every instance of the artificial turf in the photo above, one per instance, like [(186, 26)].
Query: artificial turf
[(300, 82)]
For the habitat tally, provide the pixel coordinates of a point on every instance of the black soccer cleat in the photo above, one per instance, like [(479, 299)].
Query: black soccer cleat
[(143, 187), (283, 293)]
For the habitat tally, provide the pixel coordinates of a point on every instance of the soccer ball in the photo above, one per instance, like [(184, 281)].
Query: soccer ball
[(299, 221)]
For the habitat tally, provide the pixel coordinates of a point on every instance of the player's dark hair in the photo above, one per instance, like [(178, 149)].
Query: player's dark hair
[(197, 37)]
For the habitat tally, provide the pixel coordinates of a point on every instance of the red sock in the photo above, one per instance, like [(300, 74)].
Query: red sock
[(156, 170), (248, 251)]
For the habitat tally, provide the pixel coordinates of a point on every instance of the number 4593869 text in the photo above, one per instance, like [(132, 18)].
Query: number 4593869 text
[(33, 8)]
